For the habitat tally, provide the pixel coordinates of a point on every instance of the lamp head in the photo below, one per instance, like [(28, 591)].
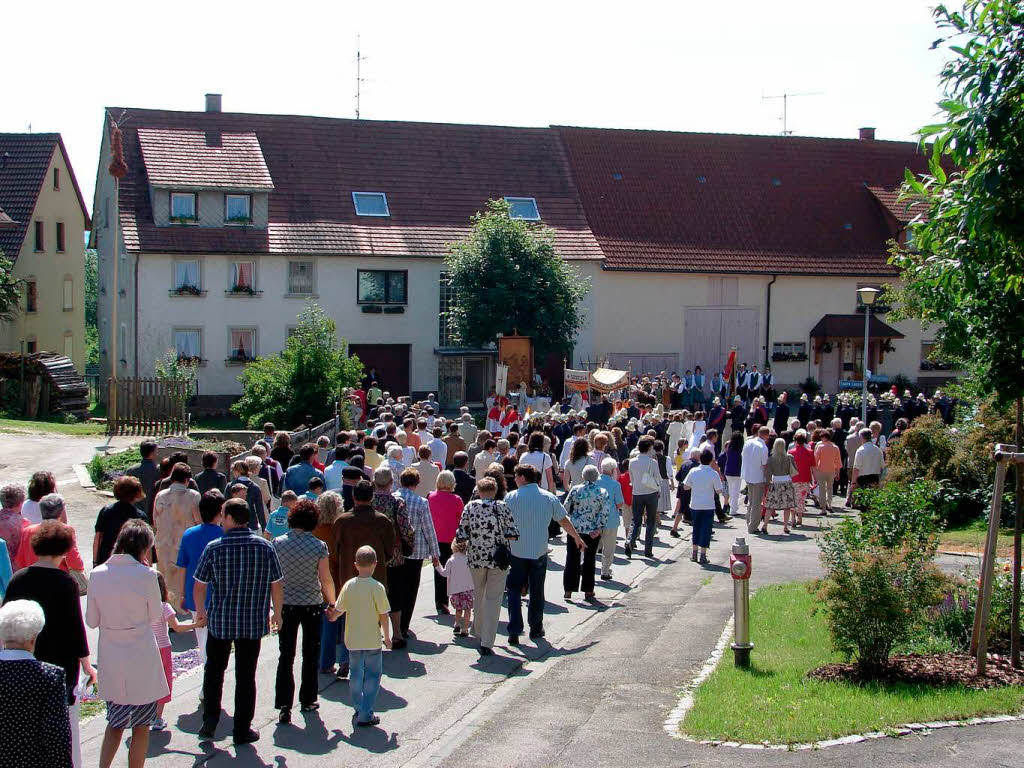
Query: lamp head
[(868, 295)]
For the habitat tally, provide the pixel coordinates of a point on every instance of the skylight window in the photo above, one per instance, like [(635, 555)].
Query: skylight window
[(371, 204), (523, 208)]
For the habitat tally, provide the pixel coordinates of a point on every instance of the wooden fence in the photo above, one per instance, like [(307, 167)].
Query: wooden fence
[(146, 406)]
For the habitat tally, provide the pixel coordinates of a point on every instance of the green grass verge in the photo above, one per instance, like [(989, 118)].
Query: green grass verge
[(774, 701), (970, 537), (100, 465), (83, 428)]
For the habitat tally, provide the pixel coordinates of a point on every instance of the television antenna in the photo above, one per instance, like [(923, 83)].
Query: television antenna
[(785, 106), (359, 75)]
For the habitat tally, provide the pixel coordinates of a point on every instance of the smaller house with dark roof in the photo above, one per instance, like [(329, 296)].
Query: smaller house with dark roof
[(43, 220)]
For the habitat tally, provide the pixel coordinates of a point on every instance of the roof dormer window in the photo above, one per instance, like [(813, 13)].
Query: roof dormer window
[(183, 206), (370, 204), (238, 209), (523, 208)]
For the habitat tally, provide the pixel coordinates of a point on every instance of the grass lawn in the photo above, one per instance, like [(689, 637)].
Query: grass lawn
[(970, 537), (217, 422), (84, 428), (773, 701)]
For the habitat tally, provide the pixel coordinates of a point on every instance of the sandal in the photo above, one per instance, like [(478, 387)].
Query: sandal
[(785, 531)]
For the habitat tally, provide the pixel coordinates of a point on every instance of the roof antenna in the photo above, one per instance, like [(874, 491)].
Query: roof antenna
[(785, 106), (359, 76)]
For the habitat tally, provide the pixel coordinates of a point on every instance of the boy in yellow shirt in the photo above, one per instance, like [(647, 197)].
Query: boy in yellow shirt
[(365, 602)]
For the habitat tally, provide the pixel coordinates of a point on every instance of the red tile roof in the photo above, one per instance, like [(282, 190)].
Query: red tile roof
[(435, 176), (201, 160), (24, 161), (904, 211), (689, 202)]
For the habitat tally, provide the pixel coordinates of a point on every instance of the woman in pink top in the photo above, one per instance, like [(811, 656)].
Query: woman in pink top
[(803, 457), (827, 462), (445, 511)]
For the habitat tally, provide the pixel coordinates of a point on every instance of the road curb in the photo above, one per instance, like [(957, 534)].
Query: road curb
[(83, 477)]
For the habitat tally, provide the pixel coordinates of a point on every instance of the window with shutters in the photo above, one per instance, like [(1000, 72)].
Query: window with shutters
[(69, 294)]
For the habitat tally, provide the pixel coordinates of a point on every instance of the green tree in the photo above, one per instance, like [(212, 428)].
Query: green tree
[(10, 290), (170, 367), (966, 270), (507, 277), (306, 378)]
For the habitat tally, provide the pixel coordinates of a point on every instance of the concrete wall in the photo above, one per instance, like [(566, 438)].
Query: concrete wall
[(273, 311), (646, 313), (52, 323)]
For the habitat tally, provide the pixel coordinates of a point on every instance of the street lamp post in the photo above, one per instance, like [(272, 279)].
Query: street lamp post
[(867, 298)]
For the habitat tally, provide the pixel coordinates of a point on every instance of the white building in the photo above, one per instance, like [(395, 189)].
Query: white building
[(693, 242)]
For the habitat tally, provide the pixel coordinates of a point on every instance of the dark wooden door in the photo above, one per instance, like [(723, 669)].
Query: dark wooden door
[(391, 362)]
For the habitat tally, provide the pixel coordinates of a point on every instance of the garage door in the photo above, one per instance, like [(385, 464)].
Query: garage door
[(391, 362), (711, 332), (643, 363)]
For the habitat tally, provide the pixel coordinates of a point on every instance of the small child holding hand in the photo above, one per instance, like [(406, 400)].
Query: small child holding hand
[(163, 642), (364, 602), (460, 586)]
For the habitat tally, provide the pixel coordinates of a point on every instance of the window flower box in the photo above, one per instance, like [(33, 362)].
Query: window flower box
[(373, 309), (190, 360), (239, 221), (394, 310), (243, 290), (184, 219), (187, 290), (239, 360), (789, 357)]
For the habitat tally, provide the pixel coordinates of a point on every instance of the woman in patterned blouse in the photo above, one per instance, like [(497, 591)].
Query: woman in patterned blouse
[(587, 507), (485, 523)]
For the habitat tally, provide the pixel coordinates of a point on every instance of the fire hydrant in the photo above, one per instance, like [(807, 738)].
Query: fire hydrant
[(739, 568)]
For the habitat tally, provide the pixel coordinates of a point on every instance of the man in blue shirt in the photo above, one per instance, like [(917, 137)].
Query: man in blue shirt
[(533, 509), (610, 533), (332, 475), (298, 476), (193, 542)]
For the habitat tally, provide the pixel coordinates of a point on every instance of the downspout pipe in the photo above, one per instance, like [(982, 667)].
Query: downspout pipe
[(768, 323)]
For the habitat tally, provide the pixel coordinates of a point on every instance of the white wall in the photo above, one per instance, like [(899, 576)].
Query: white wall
[(272, 312)]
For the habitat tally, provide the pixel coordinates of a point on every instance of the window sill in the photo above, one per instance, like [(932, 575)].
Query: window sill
[(383, 309), (302, 296), (68, 309), (246, 223), (185, 294), (61, 250), (244, 294), (183, 222), (234, 361)]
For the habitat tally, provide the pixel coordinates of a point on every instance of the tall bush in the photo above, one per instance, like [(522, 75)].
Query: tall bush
[(306, 378), (880, 581)]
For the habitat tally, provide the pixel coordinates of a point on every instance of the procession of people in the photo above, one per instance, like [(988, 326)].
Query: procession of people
[(331, 538)]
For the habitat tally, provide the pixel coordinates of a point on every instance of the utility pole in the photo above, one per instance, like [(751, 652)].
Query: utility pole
[(785, 106)]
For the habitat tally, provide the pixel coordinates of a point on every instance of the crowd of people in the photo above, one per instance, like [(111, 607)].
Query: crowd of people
[(332, 537)]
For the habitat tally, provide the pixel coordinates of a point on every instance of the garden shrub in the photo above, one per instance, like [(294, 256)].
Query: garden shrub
[(880, 581), (953, 617)]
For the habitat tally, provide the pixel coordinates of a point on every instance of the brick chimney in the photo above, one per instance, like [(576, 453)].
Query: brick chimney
[(213, 102), (866, 134)]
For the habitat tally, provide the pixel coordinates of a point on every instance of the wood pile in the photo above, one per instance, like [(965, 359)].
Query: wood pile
[(51, 381)]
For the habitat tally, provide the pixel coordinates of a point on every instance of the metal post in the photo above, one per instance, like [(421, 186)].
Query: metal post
[(864, 366), (739, 567)]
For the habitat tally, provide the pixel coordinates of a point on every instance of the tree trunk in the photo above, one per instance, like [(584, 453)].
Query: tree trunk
[(1018, 527)]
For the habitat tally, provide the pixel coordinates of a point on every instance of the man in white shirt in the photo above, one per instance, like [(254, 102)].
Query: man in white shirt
[(754, 457), (438, 448), (577, 431), (868, 464), (467, 429), (646, 480)]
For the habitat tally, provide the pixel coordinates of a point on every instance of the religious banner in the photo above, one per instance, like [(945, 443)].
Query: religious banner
[(578, 381), (608, 380), (517, 353), (501, 379)]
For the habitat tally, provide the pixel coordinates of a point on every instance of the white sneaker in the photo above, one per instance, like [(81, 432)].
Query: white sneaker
[(158, 725)]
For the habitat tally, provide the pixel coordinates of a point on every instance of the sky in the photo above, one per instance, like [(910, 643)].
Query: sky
[(679, 65)]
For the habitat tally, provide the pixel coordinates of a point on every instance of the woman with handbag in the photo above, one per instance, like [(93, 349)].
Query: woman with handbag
[(62, 641), (780, 494), (486, 527)]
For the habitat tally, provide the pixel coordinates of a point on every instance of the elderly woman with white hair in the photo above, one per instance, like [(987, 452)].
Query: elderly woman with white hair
[(445, 511), (32, 694), (616, 507), (52, 507), (587, 507), (62, 641), (396, 463)]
